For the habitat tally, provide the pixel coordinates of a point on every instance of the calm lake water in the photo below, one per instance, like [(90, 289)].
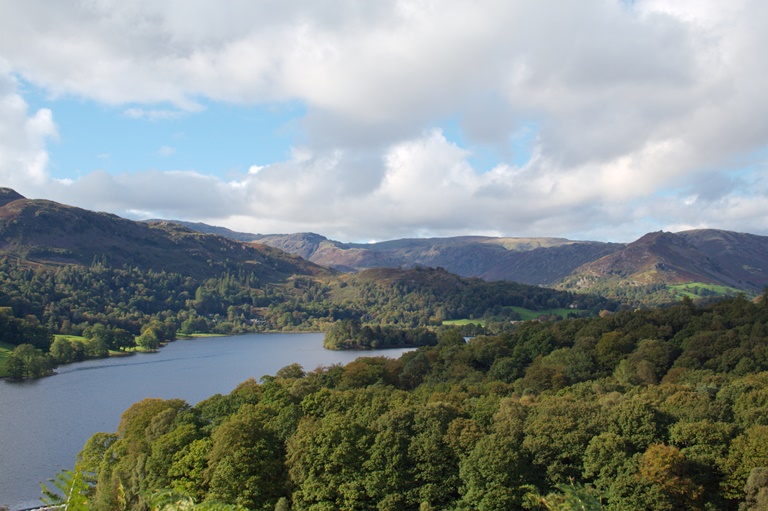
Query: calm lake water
[(44, 423)]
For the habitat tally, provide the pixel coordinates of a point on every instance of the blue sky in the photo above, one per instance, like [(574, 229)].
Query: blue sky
[(220, 139), (599, 119)]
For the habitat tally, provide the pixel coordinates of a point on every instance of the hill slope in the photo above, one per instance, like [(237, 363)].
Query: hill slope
[(536, 261), (48, 233), (707, 256), (85, 268)]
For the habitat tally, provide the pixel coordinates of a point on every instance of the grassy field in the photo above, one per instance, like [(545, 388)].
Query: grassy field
[(689, 290), (461, 322), (70, 337), (528, 314), (5, 350), (525, 314)]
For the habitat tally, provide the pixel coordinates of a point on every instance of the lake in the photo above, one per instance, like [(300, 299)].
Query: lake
[(44, 423)]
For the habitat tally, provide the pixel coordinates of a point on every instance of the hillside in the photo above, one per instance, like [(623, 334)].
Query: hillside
[(535, 261), (72, 269), (45, 232), (742, 258), (657, 268), (660, 260), (428, 296)]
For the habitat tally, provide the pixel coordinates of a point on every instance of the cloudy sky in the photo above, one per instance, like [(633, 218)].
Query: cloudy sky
[(363, 120)]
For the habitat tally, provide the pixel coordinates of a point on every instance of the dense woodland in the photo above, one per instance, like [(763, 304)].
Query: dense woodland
[(121, 308), (662, 409), (69, 298), (352, 335)]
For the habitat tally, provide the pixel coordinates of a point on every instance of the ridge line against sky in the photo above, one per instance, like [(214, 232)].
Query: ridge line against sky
[(598, 119)]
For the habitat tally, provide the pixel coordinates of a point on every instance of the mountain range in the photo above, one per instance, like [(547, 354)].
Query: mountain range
[(710, 257), (41, 231)]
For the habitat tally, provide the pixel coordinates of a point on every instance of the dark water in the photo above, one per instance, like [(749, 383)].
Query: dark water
[(44, 423)]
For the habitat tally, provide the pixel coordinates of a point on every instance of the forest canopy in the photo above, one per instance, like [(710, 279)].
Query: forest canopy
[(660, 409)]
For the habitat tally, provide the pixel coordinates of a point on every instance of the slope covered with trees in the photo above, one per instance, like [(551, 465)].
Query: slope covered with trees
[(651, 410)]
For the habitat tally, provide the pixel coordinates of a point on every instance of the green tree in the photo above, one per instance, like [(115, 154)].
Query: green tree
[(122, 339), (29, 361), (149, 340), (570, 497), (245, 464), (72, 490), (15, 367), (557, 433), (174, 500), (749, 450), (756, 491), (325, 458), (62, 351)]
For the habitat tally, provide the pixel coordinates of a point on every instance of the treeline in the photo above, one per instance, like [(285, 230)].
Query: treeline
[(651, 410), (69, 299), (351, 335), (428, 296), (39, 354)]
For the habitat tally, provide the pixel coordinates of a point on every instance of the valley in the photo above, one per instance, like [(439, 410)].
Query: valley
[(636, 363)]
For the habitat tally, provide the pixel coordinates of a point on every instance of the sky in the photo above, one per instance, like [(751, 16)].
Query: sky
[(363, 121)]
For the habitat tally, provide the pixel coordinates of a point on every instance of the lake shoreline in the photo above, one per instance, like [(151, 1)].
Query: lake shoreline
[(90, 396), (135, 350)]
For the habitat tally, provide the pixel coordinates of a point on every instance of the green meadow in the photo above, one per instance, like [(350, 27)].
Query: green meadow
[(525, 315), (700, 289)]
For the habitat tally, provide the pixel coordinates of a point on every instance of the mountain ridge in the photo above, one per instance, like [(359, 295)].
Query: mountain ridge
[(38, 231), (535, 261), (707, 256), (44, 232)]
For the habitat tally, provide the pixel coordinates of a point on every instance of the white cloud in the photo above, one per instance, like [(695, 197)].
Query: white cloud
[(23, 138), (153, 115), (634, 104)]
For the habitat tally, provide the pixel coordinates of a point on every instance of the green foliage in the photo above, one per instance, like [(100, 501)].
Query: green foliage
[(700, 290), (122, 306), (562, 313), (72, 492), (756, 491), (350, 334), (5, 351), (549, 415), (26, 361), (245, 461), (170, 500), (569, 497)]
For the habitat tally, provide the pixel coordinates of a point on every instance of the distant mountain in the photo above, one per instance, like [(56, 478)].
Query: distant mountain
[(723, 258), (657, 260), (547, 265), (536, 261), (741, 258), (708, 256), (303, 245), (45, 232), (468, 256), (209, 229)]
